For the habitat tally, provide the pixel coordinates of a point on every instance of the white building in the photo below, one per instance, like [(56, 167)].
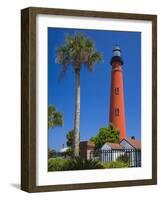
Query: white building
[(111, 152), (127, 147), (134, 153), (63, 149)]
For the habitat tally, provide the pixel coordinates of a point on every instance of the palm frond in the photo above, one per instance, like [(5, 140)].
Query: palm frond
[(63, 58), (54, 118), (94, 58), (77, 51)]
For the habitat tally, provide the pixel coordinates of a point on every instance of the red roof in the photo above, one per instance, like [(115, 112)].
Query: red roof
[(114, 145), (133, 142)]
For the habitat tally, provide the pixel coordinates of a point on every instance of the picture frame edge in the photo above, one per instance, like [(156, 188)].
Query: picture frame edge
[(28, 99)]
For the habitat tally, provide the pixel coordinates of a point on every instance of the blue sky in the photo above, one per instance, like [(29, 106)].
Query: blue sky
[(95, 86)]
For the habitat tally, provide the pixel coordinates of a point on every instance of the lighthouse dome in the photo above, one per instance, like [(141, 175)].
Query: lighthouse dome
[(116, 55), (116, 51)]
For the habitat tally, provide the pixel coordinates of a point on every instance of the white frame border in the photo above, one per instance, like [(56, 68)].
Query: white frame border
[(89, 176)]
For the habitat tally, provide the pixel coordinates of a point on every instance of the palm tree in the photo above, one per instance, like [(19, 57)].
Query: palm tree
[(77, 51), (54, 118)]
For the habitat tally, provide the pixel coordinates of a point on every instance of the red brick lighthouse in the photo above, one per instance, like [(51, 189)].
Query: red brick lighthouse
[(117, 112)]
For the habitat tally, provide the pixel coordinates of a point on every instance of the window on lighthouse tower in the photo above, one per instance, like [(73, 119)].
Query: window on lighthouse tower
[(117, 111), (116, 91)]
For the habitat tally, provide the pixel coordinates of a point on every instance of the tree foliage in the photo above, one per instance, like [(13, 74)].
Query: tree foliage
[(70, 142), (70, 138), (77, 51), (51, 153), (106, 134), (55, 118)]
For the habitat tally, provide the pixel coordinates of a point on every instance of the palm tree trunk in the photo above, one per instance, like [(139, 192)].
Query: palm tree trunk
[(77, 115)]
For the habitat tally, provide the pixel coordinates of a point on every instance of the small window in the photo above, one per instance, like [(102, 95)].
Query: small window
[(116, 91), (117, 112)]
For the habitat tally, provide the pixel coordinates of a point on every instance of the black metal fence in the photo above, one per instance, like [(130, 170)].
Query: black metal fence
[(130, 156)]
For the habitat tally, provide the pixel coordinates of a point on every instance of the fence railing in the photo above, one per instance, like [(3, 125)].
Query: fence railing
[(131, 156)]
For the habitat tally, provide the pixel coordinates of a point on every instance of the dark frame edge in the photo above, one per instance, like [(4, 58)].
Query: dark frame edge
[(24, 99), (99, 185), (28, 100), (154, 99), (90, 13)]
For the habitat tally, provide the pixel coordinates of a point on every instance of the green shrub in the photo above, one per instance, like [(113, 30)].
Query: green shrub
[(123, 158), (82, 164), (58, 164), (51, 153), (62, 164), (115, 164)]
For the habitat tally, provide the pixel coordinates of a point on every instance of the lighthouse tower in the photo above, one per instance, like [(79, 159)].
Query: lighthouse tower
[(117, 112)]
